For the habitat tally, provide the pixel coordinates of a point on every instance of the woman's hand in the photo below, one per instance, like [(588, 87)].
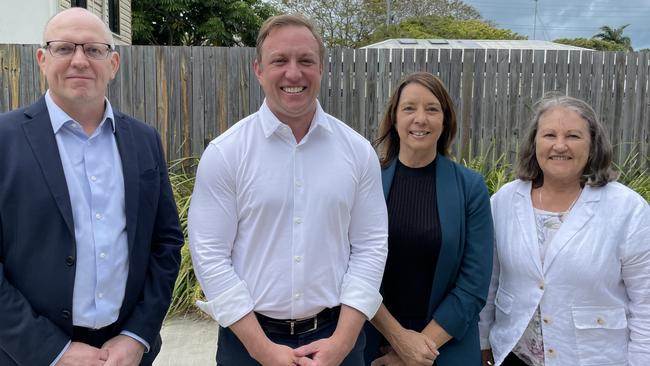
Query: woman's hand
[(488, 360), (389, 359), (414, 348)]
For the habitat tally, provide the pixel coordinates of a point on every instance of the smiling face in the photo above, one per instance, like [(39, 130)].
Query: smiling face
[(562, 144), (77, 80), (419, 124), (290, 72)]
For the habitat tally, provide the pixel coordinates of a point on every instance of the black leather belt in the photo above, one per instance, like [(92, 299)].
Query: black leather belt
[(298, 326)]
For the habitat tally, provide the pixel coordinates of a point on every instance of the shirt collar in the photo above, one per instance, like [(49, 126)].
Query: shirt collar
[(59, 117), (271, 123)]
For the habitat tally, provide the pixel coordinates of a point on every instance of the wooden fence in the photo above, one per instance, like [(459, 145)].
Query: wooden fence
[(191, 94)]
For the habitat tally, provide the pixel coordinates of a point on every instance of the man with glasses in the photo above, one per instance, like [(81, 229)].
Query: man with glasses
[(89, 233)]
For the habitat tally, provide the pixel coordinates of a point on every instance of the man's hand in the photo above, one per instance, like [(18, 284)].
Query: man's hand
[(389, 359), (323, 352), (81, 354), (123, 351), (414, 348), (275, 354)]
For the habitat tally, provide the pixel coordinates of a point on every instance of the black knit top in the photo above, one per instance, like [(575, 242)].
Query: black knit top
[(413, 241)]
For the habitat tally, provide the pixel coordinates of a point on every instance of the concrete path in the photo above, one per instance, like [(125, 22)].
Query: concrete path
[(188, 341)]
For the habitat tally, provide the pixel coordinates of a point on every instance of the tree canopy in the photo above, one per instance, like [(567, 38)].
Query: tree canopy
[(198, 22), (442, 27), (615, 35), (592, 43), (350, 23)]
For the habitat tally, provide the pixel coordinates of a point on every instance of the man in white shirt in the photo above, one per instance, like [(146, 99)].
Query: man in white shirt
[(288, 223)]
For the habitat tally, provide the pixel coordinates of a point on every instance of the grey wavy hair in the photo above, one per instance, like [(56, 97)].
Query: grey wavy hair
[(598, 170)]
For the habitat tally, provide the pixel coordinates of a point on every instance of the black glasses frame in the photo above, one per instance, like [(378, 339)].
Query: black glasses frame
[(109, 49)]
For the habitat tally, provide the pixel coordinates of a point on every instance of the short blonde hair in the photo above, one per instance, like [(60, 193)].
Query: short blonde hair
[(283, 21)]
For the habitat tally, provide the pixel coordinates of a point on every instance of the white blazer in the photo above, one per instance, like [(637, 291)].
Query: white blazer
[(593, 289)]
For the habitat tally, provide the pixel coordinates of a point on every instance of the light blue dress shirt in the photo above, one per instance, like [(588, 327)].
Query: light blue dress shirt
[(93, 173)]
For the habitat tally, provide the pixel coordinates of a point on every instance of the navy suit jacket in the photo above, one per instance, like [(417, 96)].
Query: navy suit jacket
[(464, 267), (37, 242)]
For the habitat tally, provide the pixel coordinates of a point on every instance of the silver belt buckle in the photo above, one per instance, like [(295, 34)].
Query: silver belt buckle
[(292, 324)]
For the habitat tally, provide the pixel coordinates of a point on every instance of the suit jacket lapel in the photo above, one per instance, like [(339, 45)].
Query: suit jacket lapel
[(387, 178), (449, 200), (128, 155), (582, 212), (525, 217), (39, 133)]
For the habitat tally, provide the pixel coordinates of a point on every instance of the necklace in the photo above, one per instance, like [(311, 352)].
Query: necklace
[(562, 214)]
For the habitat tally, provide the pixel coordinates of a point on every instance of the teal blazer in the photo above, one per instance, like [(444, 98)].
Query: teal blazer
[(462, 276)]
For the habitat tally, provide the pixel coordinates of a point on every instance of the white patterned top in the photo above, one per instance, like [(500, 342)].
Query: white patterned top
[(530, 348)]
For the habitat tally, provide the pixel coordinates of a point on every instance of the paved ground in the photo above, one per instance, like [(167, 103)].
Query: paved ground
[(188, 341)]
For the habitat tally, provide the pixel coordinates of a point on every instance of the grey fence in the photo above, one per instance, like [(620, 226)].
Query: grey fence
[(191, 94)]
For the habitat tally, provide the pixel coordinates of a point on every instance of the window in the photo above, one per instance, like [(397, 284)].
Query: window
[(78, 3), (114, 15)]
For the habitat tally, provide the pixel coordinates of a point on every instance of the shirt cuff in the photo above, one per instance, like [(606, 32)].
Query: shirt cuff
[(360, 295), (230, 306), (61, 354), (134, 336)]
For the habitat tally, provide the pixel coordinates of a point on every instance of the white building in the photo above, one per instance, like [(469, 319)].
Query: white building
[(473, 44), (22, 21)]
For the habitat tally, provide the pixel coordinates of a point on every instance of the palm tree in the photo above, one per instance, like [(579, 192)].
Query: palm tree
[(614, 35)]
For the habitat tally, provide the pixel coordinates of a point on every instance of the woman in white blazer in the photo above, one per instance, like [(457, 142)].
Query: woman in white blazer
[(571, 278)]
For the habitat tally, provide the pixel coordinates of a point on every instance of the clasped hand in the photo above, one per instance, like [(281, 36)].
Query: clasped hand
[(323, 352), (120, 350), (408, 348)]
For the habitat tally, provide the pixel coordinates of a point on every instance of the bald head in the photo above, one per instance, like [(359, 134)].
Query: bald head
[(77, 18)]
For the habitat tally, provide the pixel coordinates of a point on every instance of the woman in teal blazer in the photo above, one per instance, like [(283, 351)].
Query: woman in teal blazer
[(440, 236)]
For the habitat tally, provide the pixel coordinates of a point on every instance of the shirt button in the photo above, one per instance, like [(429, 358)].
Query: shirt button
[(551, 352), (298, 183), (297, 296), (297, 258), (600, 321), (102, 255), (93, 178), (65, 314), (541, 285), (546, 321), (100, 295), (298, 220), (98, 216)]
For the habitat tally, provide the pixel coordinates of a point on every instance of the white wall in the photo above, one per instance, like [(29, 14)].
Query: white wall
[(22, 21)]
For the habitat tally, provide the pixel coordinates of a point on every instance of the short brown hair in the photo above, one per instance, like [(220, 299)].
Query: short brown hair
[(598, 170), (388, 140), (283, 21)]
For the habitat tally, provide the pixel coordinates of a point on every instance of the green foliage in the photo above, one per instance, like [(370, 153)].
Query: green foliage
[(342, 23), (433, 26), (495, 174), (634, 175), (615, 35), (187, 290), (349, 23), (592, 43), (198, 22)]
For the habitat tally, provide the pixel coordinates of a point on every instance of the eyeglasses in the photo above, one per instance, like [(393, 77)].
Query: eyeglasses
[(92, 50)]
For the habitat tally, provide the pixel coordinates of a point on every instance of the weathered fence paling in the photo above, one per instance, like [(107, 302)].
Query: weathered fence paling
[(192, 94)]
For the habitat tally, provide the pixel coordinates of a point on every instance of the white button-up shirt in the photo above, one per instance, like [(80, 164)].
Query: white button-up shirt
[(287, 229)]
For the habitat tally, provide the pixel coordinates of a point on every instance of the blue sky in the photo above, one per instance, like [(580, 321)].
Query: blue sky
[(569, 18)]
